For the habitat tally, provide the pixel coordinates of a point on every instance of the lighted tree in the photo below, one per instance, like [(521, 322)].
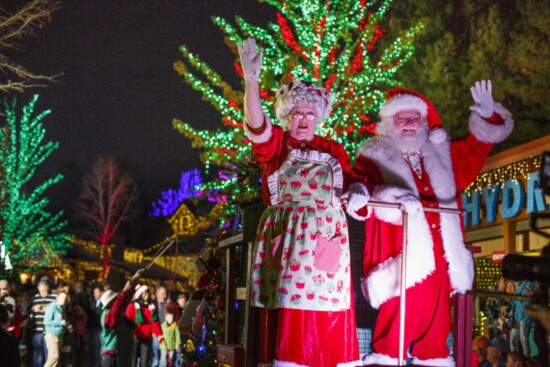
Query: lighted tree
[(107, 200), (171, 199), (15, 26), (333, 43), (465, 41), (31, 234)]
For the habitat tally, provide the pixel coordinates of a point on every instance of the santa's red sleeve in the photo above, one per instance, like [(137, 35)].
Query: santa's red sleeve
[(469, 154)]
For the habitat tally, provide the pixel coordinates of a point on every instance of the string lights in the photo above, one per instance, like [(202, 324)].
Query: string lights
[(333, 43), (31, 234)]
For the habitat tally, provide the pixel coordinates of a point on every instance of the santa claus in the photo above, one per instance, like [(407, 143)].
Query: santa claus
[(420, 166)]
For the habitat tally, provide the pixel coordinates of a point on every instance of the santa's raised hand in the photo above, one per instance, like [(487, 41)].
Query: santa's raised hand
[(482, 93)]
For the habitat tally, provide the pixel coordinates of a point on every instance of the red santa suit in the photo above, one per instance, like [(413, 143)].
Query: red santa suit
[(438, 263)]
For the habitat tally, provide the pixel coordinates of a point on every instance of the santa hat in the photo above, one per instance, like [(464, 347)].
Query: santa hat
[(140, 288), (401, 99)]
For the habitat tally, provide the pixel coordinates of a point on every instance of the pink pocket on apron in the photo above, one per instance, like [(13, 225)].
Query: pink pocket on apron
[(273, 253), (327, 253)]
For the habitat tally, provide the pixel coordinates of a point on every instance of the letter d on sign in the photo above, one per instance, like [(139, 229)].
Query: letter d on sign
[(512, 198)]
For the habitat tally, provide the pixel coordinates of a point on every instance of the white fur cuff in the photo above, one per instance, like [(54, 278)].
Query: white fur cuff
[(357, 198), (490, 133), (262, 137), (379, 359)]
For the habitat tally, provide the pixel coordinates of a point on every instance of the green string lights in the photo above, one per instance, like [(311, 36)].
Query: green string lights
[(333, 43), (31, 234)]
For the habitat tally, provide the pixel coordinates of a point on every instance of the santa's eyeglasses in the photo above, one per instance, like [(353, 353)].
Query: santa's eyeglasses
[(406, 120)]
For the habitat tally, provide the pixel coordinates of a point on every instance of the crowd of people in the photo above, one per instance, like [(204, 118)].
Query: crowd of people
[(496, 352), (60, 324), (511, 331)]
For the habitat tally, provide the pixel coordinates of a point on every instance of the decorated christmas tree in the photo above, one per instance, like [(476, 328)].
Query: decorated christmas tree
[(199, 348), (30, 234), (338, 44)]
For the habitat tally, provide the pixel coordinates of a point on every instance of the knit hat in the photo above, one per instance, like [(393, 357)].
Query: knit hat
[(3, 284), (401, 99), (140, 288), (481, 342), (107, 297)]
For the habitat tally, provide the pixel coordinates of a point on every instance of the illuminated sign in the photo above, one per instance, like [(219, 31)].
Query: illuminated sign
[(513, 199)]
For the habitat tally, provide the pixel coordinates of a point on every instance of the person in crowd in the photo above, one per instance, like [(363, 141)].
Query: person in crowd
[(55, 324), (79, 321), (114, 307), (79, 289), (420, 166), (163, 302), (497, 310), (172, 339), (94, 325), (5, 297), (66, 353), (143, 312), (181, 303), (173, 291), (37, 309), (106, 286), (10, 346), (479, 346), (15, 316), (522, 323), (18, 321), (153, 293), (301, 278), (516, 359), (496, 351)]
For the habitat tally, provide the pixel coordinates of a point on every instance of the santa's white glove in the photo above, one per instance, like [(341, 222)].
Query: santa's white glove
[(395, 195), (251, 59), (355, 199), (482, 92)]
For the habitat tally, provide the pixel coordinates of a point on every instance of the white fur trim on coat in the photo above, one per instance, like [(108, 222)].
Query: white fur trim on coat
[(357, 197), (262, 137), (395, 171), (378, 359), (384, 280), (490, 133), (438, 135), (439, 362)]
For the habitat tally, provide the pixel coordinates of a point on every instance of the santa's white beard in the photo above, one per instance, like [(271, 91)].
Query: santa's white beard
[(407, 143)]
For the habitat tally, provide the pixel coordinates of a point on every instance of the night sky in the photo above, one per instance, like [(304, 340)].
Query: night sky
[(119, 93)]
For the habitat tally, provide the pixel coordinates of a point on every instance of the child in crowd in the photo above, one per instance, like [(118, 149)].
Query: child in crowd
[(172, 339)]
